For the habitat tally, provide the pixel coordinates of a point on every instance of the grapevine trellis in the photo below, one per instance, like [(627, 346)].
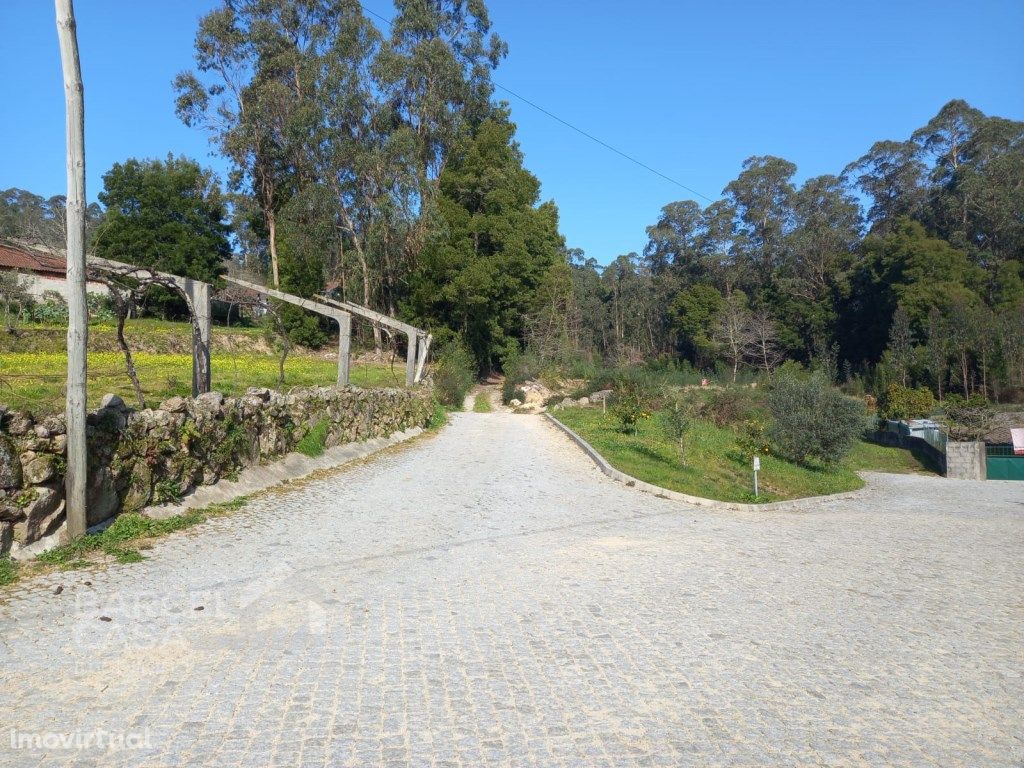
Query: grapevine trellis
[(197, 296)]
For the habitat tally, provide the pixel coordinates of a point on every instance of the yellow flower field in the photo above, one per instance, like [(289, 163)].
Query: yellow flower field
[(35, 380)]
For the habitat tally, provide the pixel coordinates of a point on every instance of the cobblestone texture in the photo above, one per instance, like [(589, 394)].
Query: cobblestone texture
[(487, 597)]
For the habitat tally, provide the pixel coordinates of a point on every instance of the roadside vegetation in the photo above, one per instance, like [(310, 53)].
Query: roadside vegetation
[(482, 403), (810, 438), (124, 541)]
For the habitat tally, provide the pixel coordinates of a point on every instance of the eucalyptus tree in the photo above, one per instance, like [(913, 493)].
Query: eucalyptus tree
[(253, 89), (763, 198), (435, 75), (977, 196), (674, 242), (312, 102), (818, 257), (893, 175)]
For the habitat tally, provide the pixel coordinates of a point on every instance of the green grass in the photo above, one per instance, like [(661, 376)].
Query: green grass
[(713, 466), (8, 571), (872, 457), (35, 380), (312, 444), (438, 417), (126, 535), (482, 403)]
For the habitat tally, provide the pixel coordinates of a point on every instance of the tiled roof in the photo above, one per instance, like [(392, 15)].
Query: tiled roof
[(12, 257), (1000, 431)]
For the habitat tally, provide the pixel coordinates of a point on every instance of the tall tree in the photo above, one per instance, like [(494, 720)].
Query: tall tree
[(892, 175), (169, 215), (301, 94), (733, 332), (763, 197), (479, 280)]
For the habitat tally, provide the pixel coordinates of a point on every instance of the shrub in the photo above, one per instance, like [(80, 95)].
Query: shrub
[(676, 418), (454, 374), (812, 420), (438, 417), (753, 438), (52, 310), (635, 396), (901, 402), (518, 367), (303, 328), (8, 571), (968, 420), (100, 307), (727, 407)]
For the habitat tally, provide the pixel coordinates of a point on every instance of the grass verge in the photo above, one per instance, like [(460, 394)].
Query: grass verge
[(482, 403), (122, 542), (8, 571), (713, 467)]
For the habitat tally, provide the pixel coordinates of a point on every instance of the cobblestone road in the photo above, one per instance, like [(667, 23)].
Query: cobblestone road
[(487, 597)]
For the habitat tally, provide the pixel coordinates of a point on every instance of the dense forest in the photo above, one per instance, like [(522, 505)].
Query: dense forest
[(371, 159), (908, 266)]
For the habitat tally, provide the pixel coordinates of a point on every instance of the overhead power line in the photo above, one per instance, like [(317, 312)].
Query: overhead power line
[(578, 130)]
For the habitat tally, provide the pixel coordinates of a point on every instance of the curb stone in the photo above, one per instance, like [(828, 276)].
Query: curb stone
[(790, 505)]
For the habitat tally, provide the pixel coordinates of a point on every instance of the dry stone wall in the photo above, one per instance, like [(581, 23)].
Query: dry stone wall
[(138, 458)]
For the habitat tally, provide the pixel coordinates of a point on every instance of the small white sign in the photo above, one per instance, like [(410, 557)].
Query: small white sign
[(757, 463)]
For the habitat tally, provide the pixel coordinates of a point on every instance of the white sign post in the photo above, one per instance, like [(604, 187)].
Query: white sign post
[(757, 468)]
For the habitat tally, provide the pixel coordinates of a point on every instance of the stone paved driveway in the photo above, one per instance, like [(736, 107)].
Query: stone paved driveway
[(486, 597)]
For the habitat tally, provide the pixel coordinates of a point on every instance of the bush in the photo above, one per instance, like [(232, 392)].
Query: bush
[(635, 396), (303, 328), (52, 310), (676, 418), (753, 439), (8, 571), (454, 374), (901, 402), (100, 307), (727, 407), (519, 368), (968, 420), (812, 420)]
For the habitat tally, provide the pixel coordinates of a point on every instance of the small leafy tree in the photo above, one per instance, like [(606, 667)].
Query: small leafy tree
[(634, 397), (677, 418), (812, 421), (13, 297)]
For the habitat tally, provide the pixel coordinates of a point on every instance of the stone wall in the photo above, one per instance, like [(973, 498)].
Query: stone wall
[(966, 461), (138, 458)]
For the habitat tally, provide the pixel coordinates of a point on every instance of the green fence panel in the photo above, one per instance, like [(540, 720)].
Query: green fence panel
[(1005, 467)]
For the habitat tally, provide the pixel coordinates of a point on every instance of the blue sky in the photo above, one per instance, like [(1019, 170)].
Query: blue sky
[(689, 88)]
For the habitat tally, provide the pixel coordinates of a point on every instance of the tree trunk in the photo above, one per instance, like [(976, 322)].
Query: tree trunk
[(129, 363), (272, 228), (78, 313)]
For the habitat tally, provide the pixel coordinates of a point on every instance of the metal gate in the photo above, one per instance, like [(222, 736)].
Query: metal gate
[(1002, 464)]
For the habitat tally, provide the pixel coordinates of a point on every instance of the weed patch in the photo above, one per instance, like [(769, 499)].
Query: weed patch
[(8, 571), (314, 441)]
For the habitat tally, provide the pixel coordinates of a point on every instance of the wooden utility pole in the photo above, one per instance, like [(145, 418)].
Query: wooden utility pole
[(78, 313)]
